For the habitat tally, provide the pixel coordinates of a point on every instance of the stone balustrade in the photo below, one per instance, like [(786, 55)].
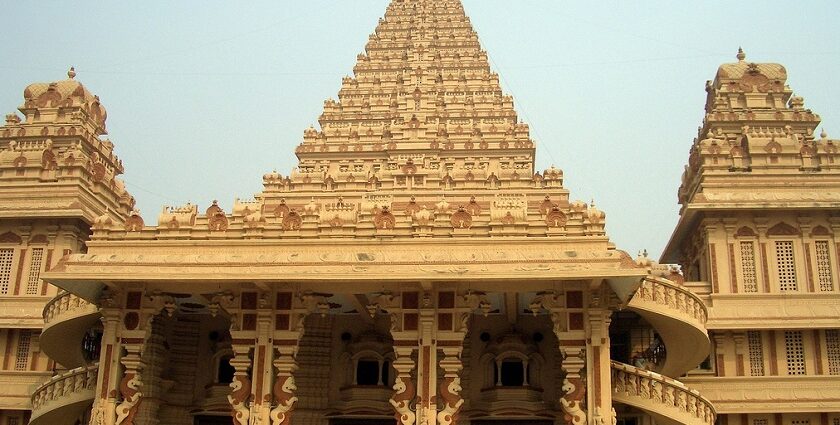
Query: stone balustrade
[(672, 296), (64, 303), (65, 389), (665, 398)]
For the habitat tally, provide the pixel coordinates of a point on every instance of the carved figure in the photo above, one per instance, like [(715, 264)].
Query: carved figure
[(572, 401), (401, 400), (284, 390), (238, 399), (130, 390), (450, 391)]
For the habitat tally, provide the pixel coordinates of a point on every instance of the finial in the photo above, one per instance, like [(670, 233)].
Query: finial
[(741, 55), (823, 134), (71, 73)]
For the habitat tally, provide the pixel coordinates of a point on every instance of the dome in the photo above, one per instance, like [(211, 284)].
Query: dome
[(64, 94), (737, 70)]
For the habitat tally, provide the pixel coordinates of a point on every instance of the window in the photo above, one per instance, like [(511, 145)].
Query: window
[(22, 358), (760, 421), (800, 422), (6, 256), (34, 283), (787, 266), (756, 353), (512, 373), (832, 348), (795, 353), (13, 421), (823, 266), (748, 266), (372, 372)]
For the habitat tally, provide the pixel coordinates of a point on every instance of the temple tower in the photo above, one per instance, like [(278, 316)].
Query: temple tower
[(757, 240)]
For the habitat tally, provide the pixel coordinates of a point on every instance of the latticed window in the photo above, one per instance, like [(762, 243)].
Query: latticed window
[(35, 261), (787, 266), (748, 266), (756, 353), (760, 422), (22, 358), (6, 256), (795, 353), (13, 421), (832, 348), (824, 266), (800, 422)]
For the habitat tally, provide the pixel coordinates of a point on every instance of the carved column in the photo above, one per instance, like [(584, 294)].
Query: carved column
[(598, 367), (574, 387), (288, 329), (131, 384), (404, 387), (450, 386), (427, 363), (263, 372), (241, 385), (104, 405)]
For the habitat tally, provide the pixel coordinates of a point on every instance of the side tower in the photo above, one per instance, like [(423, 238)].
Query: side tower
[(57, 177), (758, 241)]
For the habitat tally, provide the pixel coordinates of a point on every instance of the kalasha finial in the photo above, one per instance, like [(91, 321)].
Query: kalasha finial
[(823, 134), (741, 55), (71, 73)]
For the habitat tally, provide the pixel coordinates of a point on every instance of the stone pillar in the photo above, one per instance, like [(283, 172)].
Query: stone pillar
[(288, 330), (107, 384), (450, 386), (262, 372), (427, 364), (404, 387), (131, 384), (598, 367), (241, 385), (574, 387)]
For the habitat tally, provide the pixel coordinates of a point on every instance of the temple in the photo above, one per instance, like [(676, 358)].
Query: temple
[(416, 269)]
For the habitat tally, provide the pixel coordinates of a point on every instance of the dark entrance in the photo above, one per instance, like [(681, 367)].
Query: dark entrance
[(213, 420)]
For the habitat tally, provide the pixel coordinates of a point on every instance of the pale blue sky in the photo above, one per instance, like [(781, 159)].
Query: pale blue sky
[(205, 97)]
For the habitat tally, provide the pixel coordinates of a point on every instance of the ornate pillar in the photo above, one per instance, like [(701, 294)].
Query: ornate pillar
[(131, 384), (574, 387), (598, 367), (450, 386), (107, 383), (240, 395), (288, 329), (405, 326)]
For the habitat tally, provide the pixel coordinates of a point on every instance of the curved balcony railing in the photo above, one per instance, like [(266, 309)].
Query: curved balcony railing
[(669, 401), (679, 317), (64, 397), (67, 319)]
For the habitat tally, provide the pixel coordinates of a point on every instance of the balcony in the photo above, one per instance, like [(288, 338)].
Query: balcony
[(669, 401), (67, 318), (679, 317), (65, 397)]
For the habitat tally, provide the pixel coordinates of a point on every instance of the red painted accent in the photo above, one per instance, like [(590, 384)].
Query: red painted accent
[(818, 353), (134, 300), (427, 384), (45, 285), (809, 273), (733, 276), (410, 321), (249, 301), (284, 301), (574, 299), (410, 300), (19, 271), (281, 322), (109, 351), (714, 276), (721, 369), (445, 321), (774, 363), (765, 267), (575, 321), (446, 300), (259, 371)]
